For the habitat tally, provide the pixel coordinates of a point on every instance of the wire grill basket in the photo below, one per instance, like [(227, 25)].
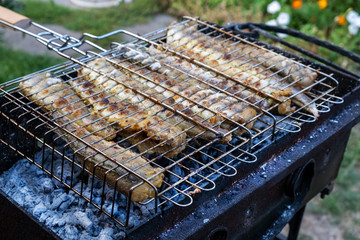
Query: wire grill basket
[(174, 90)]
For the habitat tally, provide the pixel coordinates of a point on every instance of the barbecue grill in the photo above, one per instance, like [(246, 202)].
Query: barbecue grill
[(247, 182)]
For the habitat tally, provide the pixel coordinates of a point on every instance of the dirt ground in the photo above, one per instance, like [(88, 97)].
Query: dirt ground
[(328, 227), (319, 227)]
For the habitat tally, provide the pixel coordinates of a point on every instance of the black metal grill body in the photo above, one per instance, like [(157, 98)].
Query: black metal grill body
[(255, 204), (258, 202), (18, 224)]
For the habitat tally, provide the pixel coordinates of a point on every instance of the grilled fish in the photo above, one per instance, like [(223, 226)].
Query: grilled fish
[(204, 48), (157, 92), (164, 138), (64, 107), (111, 171), (210, 78), (195, 90), (49, 92), (297, 73)]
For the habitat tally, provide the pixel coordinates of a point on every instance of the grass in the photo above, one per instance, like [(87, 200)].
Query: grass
[(94, 21), (342, 206), (350, 236), (346, 197), (19, 63)]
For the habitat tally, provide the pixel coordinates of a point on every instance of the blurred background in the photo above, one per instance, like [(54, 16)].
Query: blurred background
[(338, 21)]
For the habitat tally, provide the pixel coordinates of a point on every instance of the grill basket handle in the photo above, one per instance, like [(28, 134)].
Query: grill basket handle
[(13, 18)]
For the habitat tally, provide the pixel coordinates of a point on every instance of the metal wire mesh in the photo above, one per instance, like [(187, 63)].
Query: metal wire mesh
[(172, 90)]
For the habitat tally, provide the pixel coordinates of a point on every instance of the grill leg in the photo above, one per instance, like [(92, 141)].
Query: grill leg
[(295, 224)]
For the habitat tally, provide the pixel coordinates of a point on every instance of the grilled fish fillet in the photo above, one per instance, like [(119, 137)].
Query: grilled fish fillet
[(58, 99), (174, 97), (177, 100), (298, 74), (111, 171), (188, 41), (192, 88), (164, 137), (48, 92), (143, 85), (210, 78)]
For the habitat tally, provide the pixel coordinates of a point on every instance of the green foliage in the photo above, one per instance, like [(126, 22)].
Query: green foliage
[(95, 21), (11, 4), (322, 23), (309, 19), (15, 63), (304, 237), (346, 197), (350, 236), (341, 201)]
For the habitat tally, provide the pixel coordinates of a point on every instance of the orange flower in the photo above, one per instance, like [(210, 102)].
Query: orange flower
[(341, 20), (322, 4), (296, 4)]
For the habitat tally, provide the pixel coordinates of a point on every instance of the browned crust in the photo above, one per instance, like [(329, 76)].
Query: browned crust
[(95, 162)]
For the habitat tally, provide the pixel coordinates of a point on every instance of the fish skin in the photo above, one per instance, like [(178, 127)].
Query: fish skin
[(192, 129), (206, 47), (130, 119), (194, 89), (208, 77), (64, 107), (54, 94), (300, 75), (103, 166)]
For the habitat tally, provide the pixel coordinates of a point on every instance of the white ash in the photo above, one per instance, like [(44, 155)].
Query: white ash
[(106, 234), (62, 210), (83, 219)]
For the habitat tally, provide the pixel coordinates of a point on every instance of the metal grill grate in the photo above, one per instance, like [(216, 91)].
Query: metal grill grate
[(170, 89)]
